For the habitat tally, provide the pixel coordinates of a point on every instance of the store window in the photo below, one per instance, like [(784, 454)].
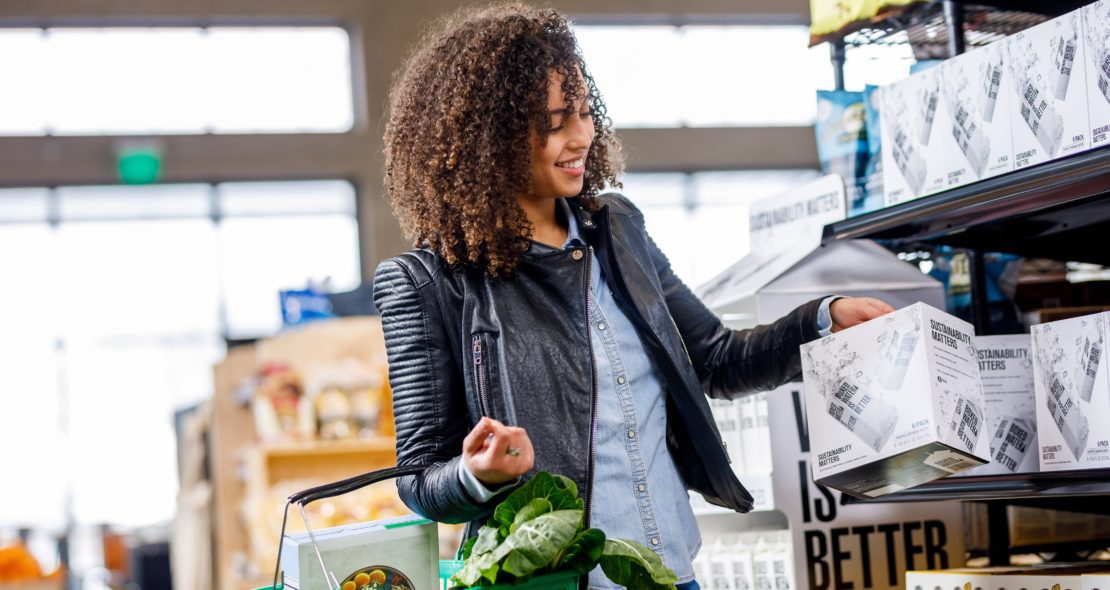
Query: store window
[(741, 75), (96, 81), (700, 220), (876, 65), (671, 76), (117, 303)]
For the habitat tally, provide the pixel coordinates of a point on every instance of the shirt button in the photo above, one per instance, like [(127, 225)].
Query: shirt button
[(631, 434), (601, 326), (655, 540), (620, 379), (577, 255), (641, 487)]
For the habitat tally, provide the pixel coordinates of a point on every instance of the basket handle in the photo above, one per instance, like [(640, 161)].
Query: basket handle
[(329, 490)]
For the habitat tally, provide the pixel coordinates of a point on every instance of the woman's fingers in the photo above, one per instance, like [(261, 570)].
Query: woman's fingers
[(496, 453), (476, 438)]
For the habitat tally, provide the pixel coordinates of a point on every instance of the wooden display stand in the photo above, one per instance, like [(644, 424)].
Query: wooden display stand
[(241, 465)]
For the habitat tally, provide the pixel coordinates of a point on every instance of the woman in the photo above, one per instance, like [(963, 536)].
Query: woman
[(538, 326)]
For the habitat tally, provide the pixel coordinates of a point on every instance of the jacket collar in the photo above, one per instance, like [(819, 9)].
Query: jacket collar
[(587, 221)]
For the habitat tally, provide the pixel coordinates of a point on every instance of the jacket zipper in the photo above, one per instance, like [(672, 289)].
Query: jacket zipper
[(593, 392), (479, 375)]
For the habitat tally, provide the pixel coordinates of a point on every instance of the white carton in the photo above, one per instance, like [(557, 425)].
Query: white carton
[(1096, 41), (1049, 577), (1072, 393), (1095, 581), (1006, 367), (1049, 116), (397, 554), (894, 402), (955, 579), (978, 141), (910, 111)]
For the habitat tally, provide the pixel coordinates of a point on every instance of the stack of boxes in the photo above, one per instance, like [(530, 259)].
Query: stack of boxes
[(914, 396), (1038, 95)]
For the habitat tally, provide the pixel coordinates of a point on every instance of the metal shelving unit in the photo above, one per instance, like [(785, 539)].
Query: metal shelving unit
[(1055, 210), (1079, 491), (1058, 210)]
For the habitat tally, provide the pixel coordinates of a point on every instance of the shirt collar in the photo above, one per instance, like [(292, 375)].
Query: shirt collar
[(574, 233)]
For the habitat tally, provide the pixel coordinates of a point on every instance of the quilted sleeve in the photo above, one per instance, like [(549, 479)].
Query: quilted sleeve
[(429, 404)]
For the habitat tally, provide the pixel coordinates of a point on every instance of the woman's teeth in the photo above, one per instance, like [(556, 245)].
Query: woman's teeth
[(573, 164)]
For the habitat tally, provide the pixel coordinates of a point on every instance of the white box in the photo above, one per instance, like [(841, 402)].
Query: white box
[(894, 402), (1046, 577), (405, 550), (1072, 393), (909, 109), (1049, 116), (1096, 41), (1095, 581), (955, 579), (1006, 367), (978, 141)]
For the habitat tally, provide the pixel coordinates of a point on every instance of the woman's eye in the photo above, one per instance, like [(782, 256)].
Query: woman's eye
[(586, 115)]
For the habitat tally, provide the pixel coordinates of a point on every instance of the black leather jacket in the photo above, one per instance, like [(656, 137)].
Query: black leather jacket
[(462, 345)]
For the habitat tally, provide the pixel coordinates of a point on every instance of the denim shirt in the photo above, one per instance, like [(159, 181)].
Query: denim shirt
[(638, 493)]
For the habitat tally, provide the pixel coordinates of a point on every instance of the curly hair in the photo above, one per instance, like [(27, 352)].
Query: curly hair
[(457, 141)]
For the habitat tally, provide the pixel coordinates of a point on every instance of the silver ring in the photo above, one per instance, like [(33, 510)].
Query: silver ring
[(513, 451)]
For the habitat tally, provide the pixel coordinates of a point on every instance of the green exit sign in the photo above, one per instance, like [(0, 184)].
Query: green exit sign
[(139, 165)]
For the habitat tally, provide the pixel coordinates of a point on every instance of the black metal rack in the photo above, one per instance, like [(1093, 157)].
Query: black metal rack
[(1079, 491), (1058, 210)]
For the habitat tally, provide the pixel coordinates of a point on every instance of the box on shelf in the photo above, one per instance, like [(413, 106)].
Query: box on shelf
[(1047, 73), (1006, 368), (978, 140), (1096, 35), (1054, 576), (1072, 393), (1095, 581), (958, 578), (400, 554), (908, 109), (894, 402), (1047, 576)]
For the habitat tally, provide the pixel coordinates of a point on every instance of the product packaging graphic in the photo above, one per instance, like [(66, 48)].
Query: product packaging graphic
[(978, 140), (1006, 367), (1072, 393), (1046, 69), (895, 402), (394, 554), (1096, 40)]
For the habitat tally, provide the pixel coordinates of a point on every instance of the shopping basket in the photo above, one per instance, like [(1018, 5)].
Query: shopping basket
[(565, 580), (329, 490)]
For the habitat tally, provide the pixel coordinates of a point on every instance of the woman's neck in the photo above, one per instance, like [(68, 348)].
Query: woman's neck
[(547, 227)]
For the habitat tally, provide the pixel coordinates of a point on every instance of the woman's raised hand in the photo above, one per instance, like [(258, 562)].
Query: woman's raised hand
[(496, 453), (849, 311)]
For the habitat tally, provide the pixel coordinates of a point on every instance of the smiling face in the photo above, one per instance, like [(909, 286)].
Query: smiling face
[(559, 164)]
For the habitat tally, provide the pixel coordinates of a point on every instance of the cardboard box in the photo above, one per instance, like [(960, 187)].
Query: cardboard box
[(1047, 577), (909, 109), (894, 402), (1095, 581), (955, 579), (1049, 116), (398, 554), (1072, 393), (1006, 368), (978, 140), (1096, 40)]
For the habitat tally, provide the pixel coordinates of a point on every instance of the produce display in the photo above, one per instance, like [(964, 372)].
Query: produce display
[(538, 529)]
